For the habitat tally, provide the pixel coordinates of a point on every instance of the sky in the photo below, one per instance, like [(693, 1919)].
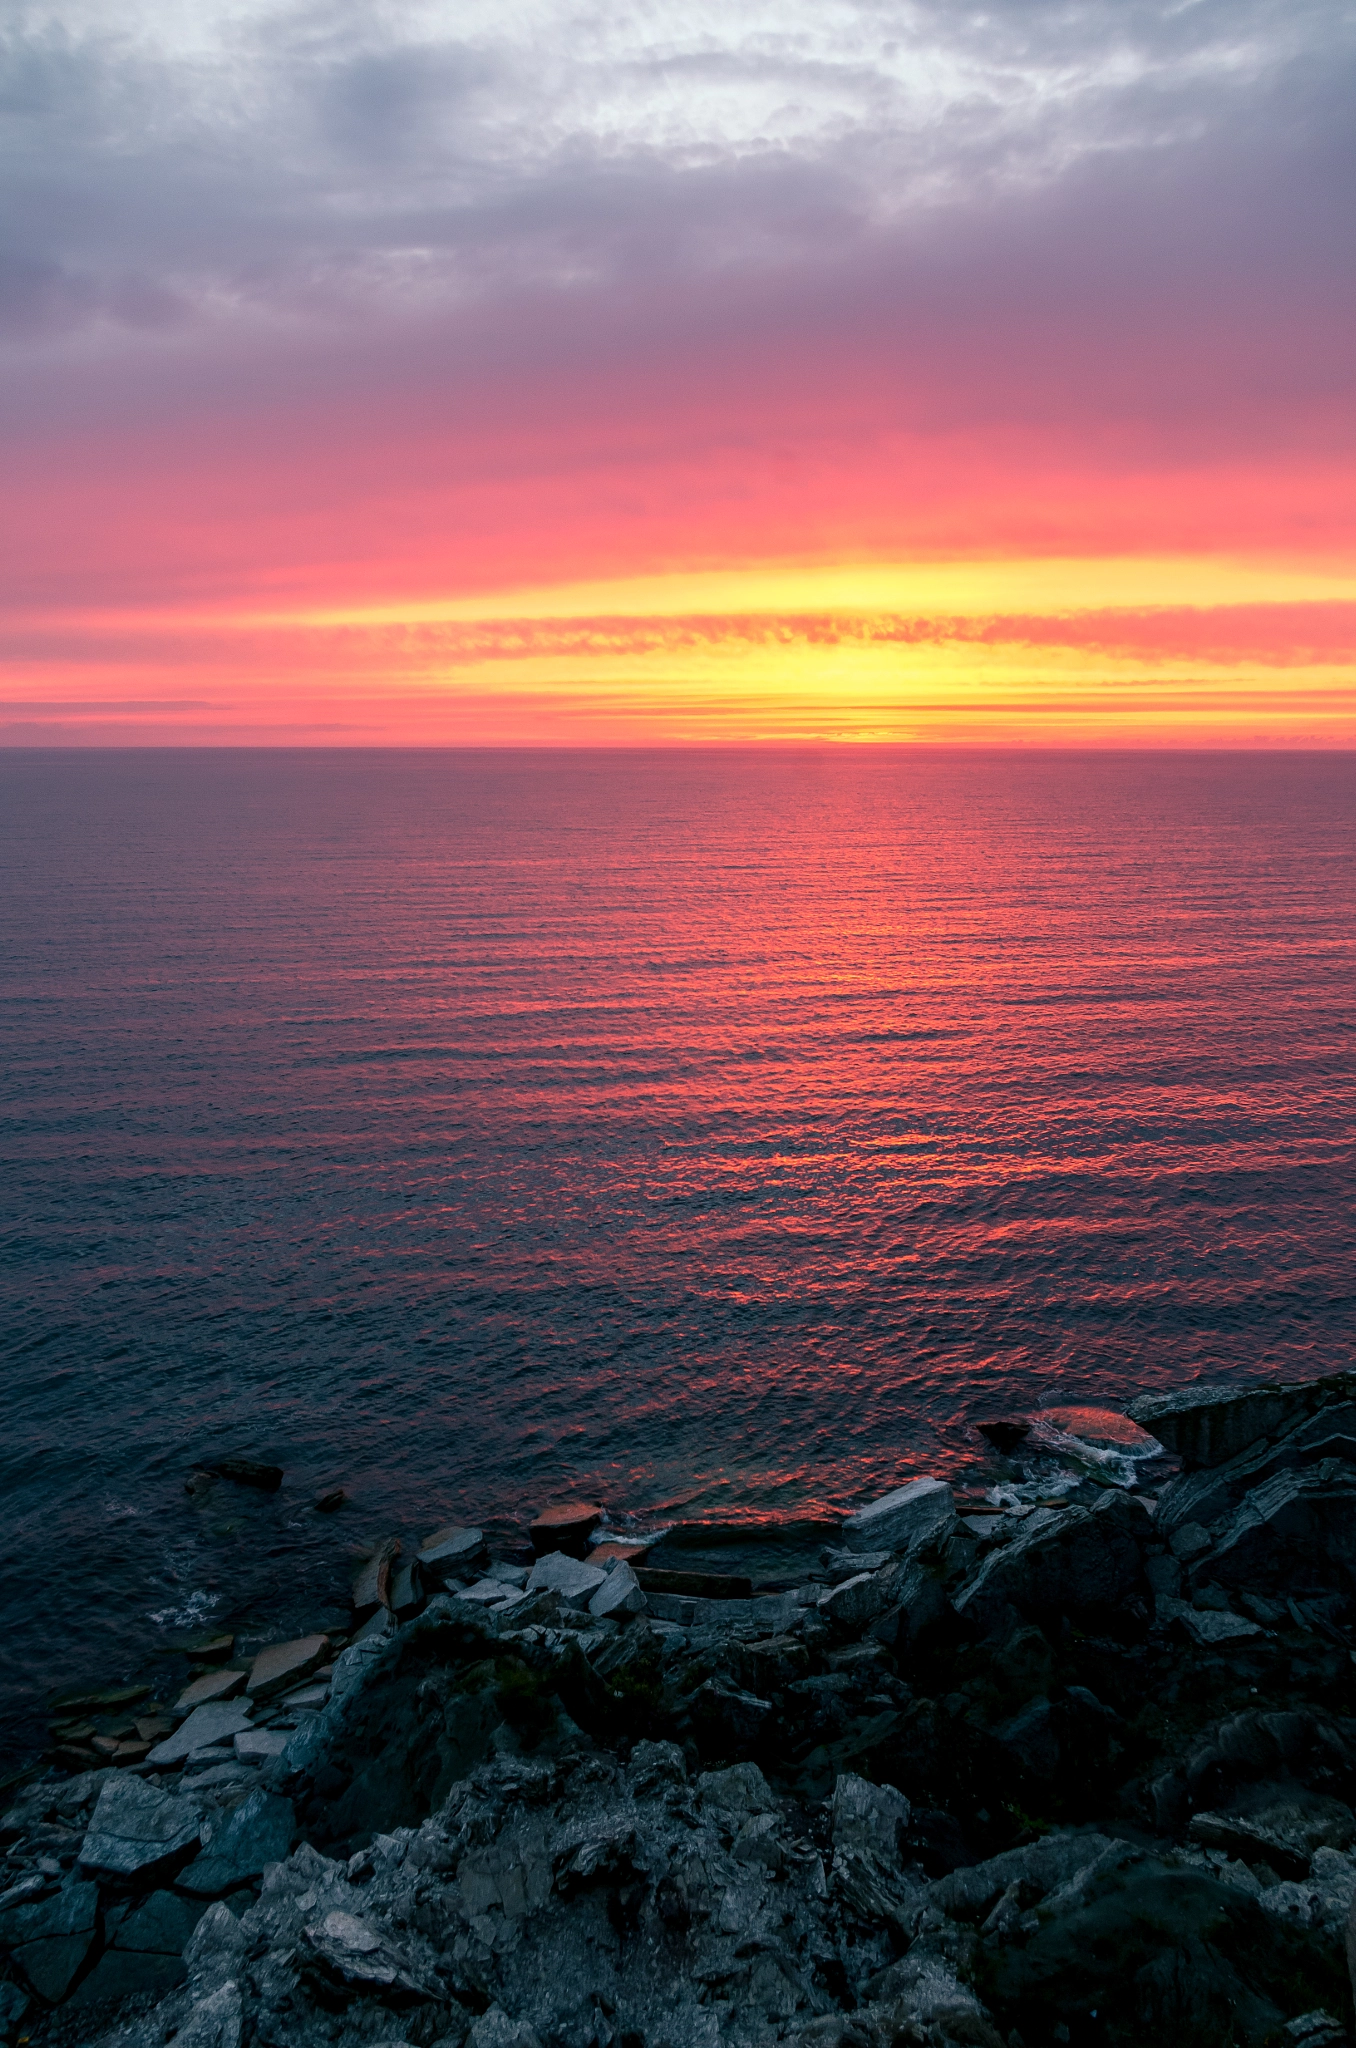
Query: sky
[(577, 374)]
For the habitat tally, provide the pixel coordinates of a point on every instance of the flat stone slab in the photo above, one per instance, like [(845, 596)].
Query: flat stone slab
[(213, 1685), (900, 1519), (261, 1745), (372, 1581), (217, 1722), (50, 1941), (136, 1828), (574, 1581), (281, 1665)]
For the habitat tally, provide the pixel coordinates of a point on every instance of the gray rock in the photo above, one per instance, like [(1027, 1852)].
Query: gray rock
[(260, 1745), (407, 1592), (1207, 1626), (1209, 1494), (218, 1722), (514, 1575), (902, 1519), (856, 1601), (1082, 1560), (867, 1816), (213, 1685), (569, 1578), (160, 1925), (139, 1831), (215, 1951), (620, 1594), (725, 1718), (259, 1831), (494, 2029), (215, 2022), (1189, 1540), (14, 2003), (281, 1665), (1284, 1831), (1209, 1425), (1030, 1737), (736, 1793), (351, 1951), (372, 1582), (451, 1553), (50, 1940), (1296, 1531)]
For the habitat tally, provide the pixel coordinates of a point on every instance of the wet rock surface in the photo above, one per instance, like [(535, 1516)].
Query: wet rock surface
[(1080, 1768)]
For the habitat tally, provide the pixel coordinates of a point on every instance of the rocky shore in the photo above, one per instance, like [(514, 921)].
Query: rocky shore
[(1066, 1759)]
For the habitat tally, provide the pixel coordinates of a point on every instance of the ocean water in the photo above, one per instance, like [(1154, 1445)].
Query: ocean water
[(708, 1132)]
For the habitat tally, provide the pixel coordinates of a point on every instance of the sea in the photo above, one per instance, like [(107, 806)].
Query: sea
[(708, 1133)]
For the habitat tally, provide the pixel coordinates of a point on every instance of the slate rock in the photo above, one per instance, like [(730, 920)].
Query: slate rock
[(50, 1940), (261, 1745), (372, 1581), (138, 1831), (216, 2021), (259, 1831), (901, 1520), (407, 1592), (160, 1925), (867, 1816), (1083, 1560), (14, 2003), (566, 1526), (619, 1595), (121, 1973), (450, 1553), (213, 1685), (281, 1665), (1209, 1425), (351, 1952), (856, 1601), (218, 1722), (725, 1719), (574, 1581), (1297, 1531)]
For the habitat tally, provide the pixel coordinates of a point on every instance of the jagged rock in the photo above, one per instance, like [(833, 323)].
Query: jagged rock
[(352, 1953), (867, 1816), (260, 1745), (856, 1601), (50, 1940), (372, 1581), (407, 1592), (451, 1553), (1209, 1425), (1084, 1560), (139, 1831), (494, 2029), (14, 2003), (569, 1577), (1207, 1495), (1296, 1531), (215, 1951), (259, 1831), (620, 1594), (736, 1792), (764, 1667), (725, 1718), (145, 1953), (1283, 1827), (215, 2021), (901, 1520), (280, 1665), (221, 1721)]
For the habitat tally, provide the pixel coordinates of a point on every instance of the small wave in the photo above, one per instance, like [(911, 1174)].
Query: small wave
[(196, 1608), (120, 1510)]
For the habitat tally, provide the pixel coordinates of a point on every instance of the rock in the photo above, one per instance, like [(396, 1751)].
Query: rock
[(260, 1745), (1296, 1532), (1080, 1562), (372, 1582), (51, 1939), (14, 2003), (146, 1951), (249, 1472), (765, 1667), (199, 1484), (855, 1602), (215, 1951), (1208, 1425), (349, 1951), (450, 1553), (407, 1592), (620, 1594), (1005, 1434), (867, 1816), (217, 1722), (574, 1581), (902, 1519), (1283, 1827), (1207, 1625), (281, 1665), (736, 1793), (260, 1831), (329, 1502), (1030, 1737), (105, 1702), (206, 1649), (377, 1626), (494, 2029), (138, 1831), (215, 2021), (515, 1575), (621, 1551), (566, 1526), (213, 1685), (1189, 1541), (726, 1719)]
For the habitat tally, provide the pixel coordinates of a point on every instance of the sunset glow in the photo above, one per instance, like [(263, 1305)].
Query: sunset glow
[(790, 380)]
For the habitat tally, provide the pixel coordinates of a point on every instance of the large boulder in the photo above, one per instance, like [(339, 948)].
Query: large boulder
[(1206, 1495), (902, 1519), (49, 1941), (146, 1951), (260, 1831), (137, 1831), (1083, 1561), (1209, 1425), (1296, 1533)]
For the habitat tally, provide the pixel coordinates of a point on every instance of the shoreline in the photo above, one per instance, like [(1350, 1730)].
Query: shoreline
[(936, 1686)]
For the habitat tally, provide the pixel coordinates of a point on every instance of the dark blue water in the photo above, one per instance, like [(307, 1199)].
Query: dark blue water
[(721, 1130)]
